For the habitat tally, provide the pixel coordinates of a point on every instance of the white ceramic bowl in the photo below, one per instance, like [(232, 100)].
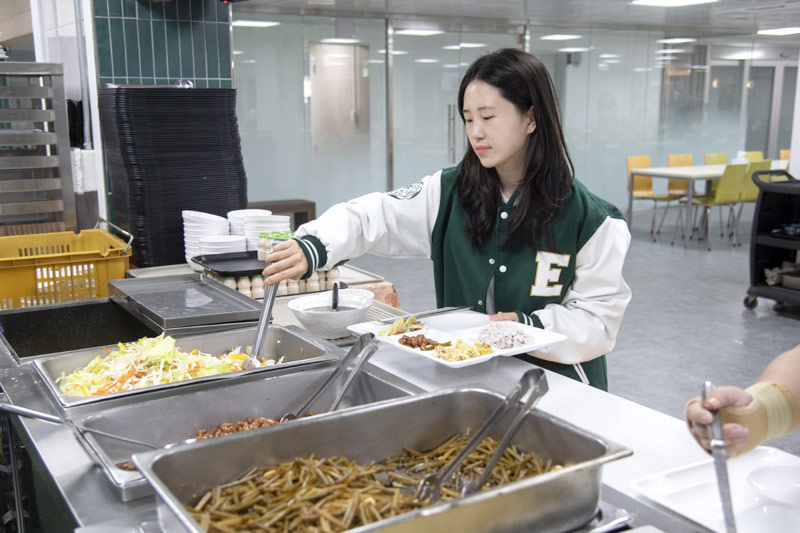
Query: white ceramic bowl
[(315, 314)]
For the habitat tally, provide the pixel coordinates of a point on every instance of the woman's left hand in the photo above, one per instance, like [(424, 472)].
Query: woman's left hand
[(508, 317)]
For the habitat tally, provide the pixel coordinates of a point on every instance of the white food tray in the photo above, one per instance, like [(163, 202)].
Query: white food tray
[(765, 490), (451, 327)]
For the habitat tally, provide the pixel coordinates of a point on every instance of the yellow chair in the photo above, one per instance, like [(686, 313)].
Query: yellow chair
[(643, 187), (749, 188), (716, 158), (785, 155), (755, 155), (727, 195)]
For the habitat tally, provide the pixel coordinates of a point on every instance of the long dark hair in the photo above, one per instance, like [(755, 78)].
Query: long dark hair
[(548, 172)]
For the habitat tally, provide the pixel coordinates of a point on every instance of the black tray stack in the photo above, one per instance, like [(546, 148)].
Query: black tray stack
[(166, 150)]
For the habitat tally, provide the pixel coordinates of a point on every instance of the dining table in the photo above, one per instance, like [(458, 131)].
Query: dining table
[(688, 173)]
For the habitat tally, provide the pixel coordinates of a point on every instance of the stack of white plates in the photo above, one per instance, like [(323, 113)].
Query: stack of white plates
[(197, 225), (256, 224), (222, 244), (236, 218)]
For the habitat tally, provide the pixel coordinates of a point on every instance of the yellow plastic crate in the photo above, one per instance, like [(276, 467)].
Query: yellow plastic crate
[(48, 268)]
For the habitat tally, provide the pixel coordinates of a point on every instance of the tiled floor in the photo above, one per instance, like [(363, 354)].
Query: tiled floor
[(685, 324)]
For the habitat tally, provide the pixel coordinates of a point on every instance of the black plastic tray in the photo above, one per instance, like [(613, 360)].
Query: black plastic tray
[(232, 264)]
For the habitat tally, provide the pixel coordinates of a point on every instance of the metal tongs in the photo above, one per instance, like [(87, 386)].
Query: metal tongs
[(263, 319), (47, 417), (717, 443), (361, 351), (532, 386)]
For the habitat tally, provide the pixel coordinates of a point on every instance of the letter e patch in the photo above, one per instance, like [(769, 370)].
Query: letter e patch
[(546, 274)]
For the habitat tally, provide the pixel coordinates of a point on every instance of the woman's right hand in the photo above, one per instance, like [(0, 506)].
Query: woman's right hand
[(699, 416), (287, 261)]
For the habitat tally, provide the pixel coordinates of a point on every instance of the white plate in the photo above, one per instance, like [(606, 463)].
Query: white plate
[(764, 491), (541, 338)]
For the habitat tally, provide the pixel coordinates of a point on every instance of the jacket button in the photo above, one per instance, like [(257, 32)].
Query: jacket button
[(491, 261), (502, 268), (480, 302), (504, 215)]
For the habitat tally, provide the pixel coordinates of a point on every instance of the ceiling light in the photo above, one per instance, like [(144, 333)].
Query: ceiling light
[(250, 61), (743, 56), (699, 67), (254, 23), (671, 3), (559, 37), (780, 31), (238, 52), (472, 45), (394, 52), (375, 61), (450, 65), (670, 51), (677, 40), (573, 49), (642, 69), (608, 56), (337, 40), (418, 33), (426, 60), (611, 61), (452, 47)]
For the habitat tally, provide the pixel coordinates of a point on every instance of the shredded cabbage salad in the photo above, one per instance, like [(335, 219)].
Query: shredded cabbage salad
[(147, 362), (401, 325)]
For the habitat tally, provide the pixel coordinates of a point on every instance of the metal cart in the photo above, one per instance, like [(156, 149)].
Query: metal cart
[(775, 238)]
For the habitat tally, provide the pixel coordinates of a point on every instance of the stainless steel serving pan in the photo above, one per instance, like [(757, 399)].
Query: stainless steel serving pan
[(179, 417), (297, 346), (558, 501)]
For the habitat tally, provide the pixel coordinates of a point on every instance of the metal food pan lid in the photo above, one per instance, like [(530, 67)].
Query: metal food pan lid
[(172, 302)]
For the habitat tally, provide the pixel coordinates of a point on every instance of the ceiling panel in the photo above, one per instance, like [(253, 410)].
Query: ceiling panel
[(723, 17)]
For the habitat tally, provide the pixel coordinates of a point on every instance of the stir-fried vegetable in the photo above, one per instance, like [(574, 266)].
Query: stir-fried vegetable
[(401, 325), (335, 494), (147, 362)]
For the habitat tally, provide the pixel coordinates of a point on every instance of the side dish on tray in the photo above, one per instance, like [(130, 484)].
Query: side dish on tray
[(402, 325), (147, 362), (336, 494)]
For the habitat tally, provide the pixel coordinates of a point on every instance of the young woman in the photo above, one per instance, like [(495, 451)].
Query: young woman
[(509, 229)]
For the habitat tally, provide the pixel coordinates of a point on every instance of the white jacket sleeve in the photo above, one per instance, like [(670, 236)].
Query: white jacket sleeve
[(394, 224), (591, 311)]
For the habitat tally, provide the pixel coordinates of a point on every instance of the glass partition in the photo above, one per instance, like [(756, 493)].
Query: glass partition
[(311, 106)]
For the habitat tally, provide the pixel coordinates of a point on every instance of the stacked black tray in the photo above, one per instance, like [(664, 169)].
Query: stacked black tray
[(166, 150)]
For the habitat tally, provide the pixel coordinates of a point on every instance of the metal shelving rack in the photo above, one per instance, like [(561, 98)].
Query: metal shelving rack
[(36, 192)]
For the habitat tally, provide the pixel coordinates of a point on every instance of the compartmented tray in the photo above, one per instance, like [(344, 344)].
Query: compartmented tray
[(171, 302), (179, 417), (296, 346), (564, 499), (765, 491)]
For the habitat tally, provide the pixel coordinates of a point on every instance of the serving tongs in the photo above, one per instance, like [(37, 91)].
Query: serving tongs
[(360, 352), (32, 413), (263, 319), (717, 443), (423, 314), (531, 387)]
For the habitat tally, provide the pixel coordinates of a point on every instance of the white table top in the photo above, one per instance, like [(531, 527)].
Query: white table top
[(697, 172)]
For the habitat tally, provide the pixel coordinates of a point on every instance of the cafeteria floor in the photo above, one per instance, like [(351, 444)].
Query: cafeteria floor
[(685, 324)]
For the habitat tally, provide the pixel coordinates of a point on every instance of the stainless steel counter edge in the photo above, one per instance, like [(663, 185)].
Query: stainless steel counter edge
[(659, 441)]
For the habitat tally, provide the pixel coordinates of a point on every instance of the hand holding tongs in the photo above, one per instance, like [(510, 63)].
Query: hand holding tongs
[(534, 384), (263, 319), (717, 443), (361, 351)]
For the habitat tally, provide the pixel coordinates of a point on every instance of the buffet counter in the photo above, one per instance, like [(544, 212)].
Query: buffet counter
[(96, 508)]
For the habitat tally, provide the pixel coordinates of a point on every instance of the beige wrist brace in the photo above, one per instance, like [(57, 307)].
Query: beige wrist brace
[(772, 413)]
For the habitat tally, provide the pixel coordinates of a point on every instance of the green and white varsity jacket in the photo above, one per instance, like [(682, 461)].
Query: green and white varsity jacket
[(576, 289)]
